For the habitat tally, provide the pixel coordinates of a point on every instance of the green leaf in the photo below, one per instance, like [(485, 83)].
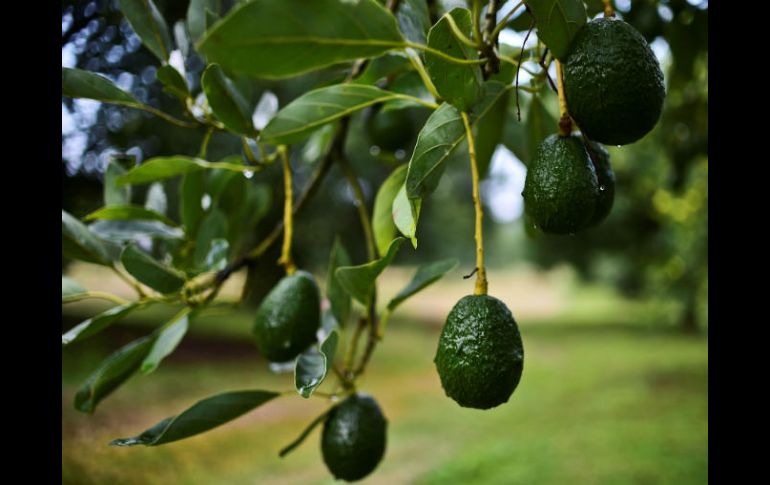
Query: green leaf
[(156, 200), (213, 226), (540, 124), (406, 213), (150, 272), (166, 342), (305, 433), (114, 194), (173, 82), (522, 22), (111, 373), (270, 39), (442, 133), (191, 195), (515, 136), (76, 83), (318, 107), (383, 67), (488, 132), (413, 19), (216, 259), (78, 242), (196, 16), (339, 299), (359, 280), (134, 230), (128, 213), (159, 168), (226, 102), (312, 366), (557, 23), (200, 417), (458, 84), (382, 215), (319, 143), (410, 84), (70, 288), (149, 25), (426, 275), (98, 323)]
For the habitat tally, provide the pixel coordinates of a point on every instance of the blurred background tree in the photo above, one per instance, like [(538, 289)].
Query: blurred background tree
[(653, 244)]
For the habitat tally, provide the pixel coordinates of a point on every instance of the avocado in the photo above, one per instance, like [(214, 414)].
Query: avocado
[(613, 83), (288, 317), (606, 179), (561, 188), (480, 355), (354, 437), (390, 129)]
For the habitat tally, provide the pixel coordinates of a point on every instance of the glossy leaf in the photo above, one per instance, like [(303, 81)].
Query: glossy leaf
[(414, 20), (299, 118), (127, 213), (97, 323), (488, 132), (426, 275), (150, 272), (213, 226), (339, 299), (79, 242), (191, 196), (156, 201), (161, 168), (111, 374), (305, 433), (266, 108), (319, 143), (540, 124), (76, 83), (359, 280), (196, 16), (406, 213), (200, 417), (70, 288), (270, 39), (515, 132), (166, 342), (115, 194), (149, 25), (458, 84), (410, 84), (382, 215), (382, 67), (312, 365), (123, 231), (557, 23), (173, 82), (226, 102), (216, 259)]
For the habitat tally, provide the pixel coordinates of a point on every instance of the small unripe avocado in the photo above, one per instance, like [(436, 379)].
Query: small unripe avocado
[(480, 355), (606, 179), (354, 438), (561, 189), (613, 82), (288, 317)]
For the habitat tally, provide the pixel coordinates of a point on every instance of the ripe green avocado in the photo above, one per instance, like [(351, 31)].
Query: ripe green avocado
[(606, 179), (288, 318), (613, 82), (480, 356), (354, 437), (391, 129), (561, 189)]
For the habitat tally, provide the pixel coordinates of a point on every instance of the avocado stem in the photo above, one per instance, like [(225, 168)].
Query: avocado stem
[(565, 122), (481, 276), (288, 221), (608, 10)]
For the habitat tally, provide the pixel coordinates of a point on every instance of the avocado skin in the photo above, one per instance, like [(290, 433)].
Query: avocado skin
[(288, 317), (561, 188), (613, 82), (391, 129), (480, 355), (354, 437), (606, 179)]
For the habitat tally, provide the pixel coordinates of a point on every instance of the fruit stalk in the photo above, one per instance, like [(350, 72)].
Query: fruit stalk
[(608, 10), (481, 275), (285, 258), (565, 122)]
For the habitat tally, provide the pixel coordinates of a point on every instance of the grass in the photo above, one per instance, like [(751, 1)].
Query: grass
[(604, 398)]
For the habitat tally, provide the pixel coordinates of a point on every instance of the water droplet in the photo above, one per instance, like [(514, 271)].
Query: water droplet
[(601, 188), (619, 146), (285, 344), (374, 150)]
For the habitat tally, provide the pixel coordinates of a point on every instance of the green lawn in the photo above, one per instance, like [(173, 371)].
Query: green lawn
[(603, 400)]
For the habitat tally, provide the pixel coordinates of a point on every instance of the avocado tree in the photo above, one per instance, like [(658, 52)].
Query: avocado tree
[(391, 57)]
